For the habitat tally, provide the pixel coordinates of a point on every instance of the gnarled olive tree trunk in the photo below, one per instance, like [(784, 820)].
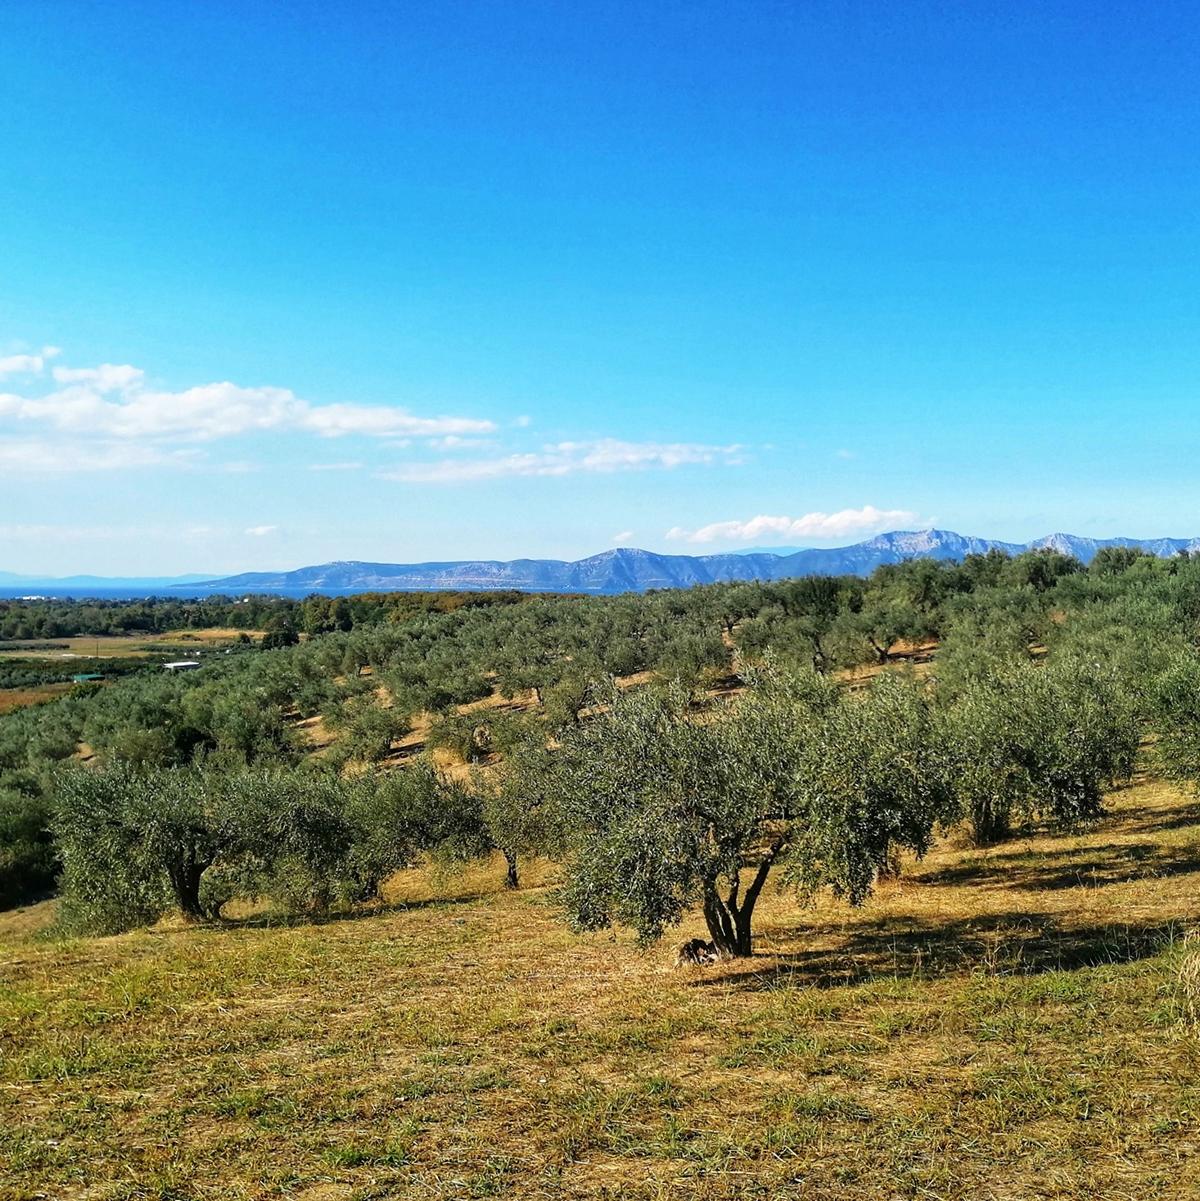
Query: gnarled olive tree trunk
[(511, 879), (185, 875), (729, 918)]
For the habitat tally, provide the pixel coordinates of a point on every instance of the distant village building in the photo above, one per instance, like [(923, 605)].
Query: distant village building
[(182, 665)]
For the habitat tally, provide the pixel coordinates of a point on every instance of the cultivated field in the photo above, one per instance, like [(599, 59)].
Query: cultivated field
[(1005, 1023), (117, 646)]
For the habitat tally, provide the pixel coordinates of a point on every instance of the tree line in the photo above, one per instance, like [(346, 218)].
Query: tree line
[(653, 806), (1045, 678), (24, 620)]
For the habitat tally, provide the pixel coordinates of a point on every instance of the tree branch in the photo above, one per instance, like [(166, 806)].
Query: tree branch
[(764, 869)]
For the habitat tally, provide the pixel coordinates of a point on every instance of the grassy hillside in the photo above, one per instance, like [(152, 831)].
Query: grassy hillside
[(1003, 1023)]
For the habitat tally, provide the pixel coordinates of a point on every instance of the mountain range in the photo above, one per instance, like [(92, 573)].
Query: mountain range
[(630, 570), (8, 578), (623, 570)]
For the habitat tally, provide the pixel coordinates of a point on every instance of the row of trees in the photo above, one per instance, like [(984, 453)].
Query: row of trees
[(137, 842), (804, 779), (653, 805), (995, 619), (316, 614)]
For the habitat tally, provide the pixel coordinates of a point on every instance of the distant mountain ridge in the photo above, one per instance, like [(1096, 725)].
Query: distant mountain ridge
[(623, 570), (628, 569), (8, 578)]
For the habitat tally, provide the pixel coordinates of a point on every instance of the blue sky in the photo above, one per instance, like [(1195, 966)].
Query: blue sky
[(287, 283)]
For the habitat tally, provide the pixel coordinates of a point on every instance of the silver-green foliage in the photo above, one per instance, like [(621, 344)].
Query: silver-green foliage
[(1038, 742), (665, 808), (136, 842), (1176, 709)]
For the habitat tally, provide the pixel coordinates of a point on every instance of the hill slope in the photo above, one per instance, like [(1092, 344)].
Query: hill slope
[(998, 1023)]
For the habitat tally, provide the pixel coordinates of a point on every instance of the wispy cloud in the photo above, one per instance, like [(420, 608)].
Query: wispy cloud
[(567, 458), (108, 377), (26, 364), (114, 404), (622, 538), (62, 418), (458, 442), (845, 522), (45, 456), (381, 421), (260, 531), (172, 532)]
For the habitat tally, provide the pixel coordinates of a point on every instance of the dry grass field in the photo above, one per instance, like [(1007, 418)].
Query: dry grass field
[(118, 646), (18, 698), (1004, 1024)]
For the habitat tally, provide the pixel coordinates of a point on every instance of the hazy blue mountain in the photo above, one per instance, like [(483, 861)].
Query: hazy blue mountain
[(100, 587), (66, 581), (1084, 549), (623, 570), (631, 570)]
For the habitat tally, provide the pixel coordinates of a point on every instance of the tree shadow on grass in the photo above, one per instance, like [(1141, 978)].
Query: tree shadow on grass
[(1013, 944), (1152, 821), (278, 920), (1069, 867)]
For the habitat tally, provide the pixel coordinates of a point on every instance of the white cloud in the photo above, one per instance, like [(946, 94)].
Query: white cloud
[(167, 532), (43, 534), (868, 519), (108, 377), (114, 402), (335, 466), (845, 454), (20, 364), (27, 364), (603, 455), (622, 538), (457, 442), (383, 421)]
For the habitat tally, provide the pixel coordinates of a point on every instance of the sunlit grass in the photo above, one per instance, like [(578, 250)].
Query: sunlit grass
[(1010, 1023)]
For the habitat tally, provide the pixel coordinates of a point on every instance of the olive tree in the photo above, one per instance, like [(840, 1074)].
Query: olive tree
[(132, 843), (663, 810), (398, 816), (366, 728), (1176, 715), (1038, 742), (27, 859), (136, 843), (520, 813)]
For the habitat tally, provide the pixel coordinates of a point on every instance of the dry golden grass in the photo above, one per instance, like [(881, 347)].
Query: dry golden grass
[(1000, 1024), (1189, 983), (19, 698)]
